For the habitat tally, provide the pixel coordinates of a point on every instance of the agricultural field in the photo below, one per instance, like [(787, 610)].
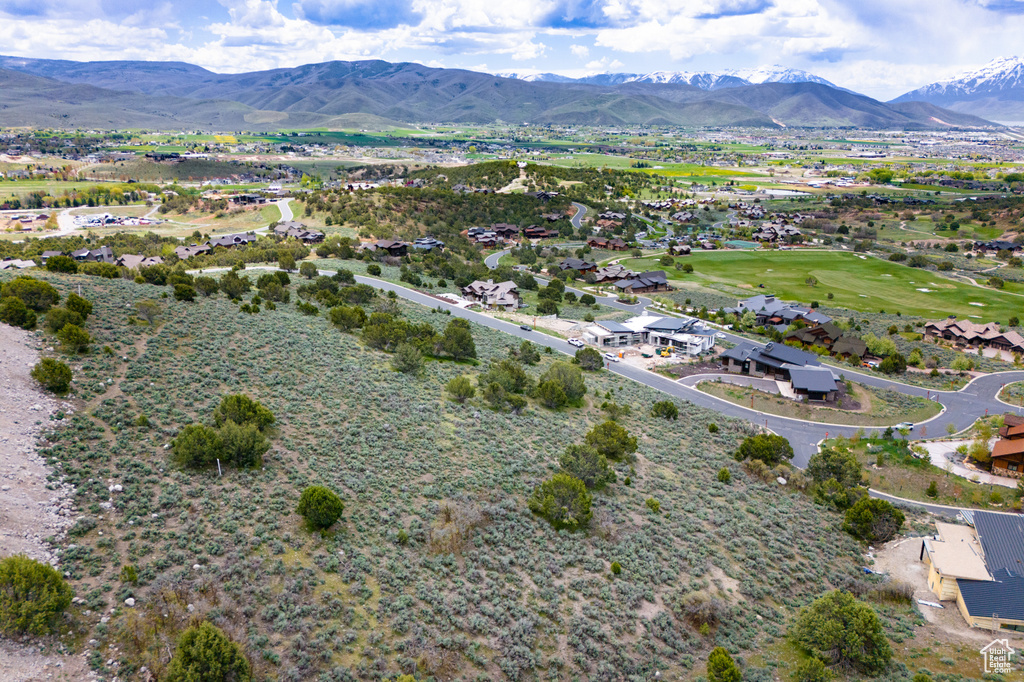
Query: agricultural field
[(437, 568), (856, 282)]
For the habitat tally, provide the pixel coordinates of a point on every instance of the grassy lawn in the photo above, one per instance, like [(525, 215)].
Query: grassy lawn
[(902, 474), (856, 282), (886, 408)]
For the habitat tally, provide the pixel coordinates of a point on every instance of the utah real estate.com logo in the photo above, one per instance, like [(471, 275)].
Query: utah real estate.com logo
[(998, 657)]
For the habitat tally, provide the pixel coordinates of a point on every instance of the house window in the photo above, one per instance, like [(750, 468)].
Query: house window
[(1012, 466)]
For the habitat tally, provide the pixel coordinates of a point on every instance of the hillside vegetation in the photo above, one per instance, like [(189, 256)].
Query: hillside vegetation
[(437, 567)]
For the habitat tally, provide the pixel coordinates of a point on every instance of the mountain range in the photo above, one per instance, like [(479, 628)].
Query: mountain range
[(173, 95), (705, 80), (995, 91)]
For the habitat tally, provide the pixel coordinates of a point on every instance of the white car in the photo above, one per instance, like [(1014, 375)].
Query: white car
[(905, 425), (576, 342), (719, 335), (612, 356)]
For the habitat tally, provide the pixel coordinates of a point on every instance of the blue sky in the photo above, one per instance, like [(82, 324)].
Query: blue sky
[(879, 47)]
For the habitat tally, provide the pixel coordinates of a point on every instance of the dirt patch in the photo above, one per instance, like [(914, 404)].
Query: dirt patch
[(25, 663), (29, 512)]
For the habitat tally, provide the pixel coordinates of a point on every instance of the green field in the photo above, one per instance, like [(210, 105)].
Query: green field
[(675, 170), (856, 282)]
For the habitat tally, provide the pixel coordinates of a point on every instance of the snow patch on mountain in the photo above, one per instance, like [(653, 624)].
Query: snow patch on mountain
[(705, 80)]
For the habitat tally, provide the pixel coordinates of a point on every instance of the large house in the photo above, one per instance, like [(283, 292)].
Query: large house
[(577, 264), (831, 337), (186, 252), (804, 372), (231, 240), (614, 244), (493, 294), (134, 262), (770, 311), (104, 254), (297, 230), (772, 359), (974, 335), (687, 335), (981, 567), (1008, 451), (393, 247), (645, 282), (612, 273)]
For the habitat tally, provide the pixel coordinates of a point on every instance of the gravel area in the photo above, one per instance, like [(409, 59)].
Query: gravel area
[(30, 512)]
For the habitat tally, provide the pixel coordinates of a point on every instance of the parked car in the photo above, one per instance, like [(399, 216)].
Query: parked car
[(719, 335), (526, 327), (576, 342), (612, 356), (905, 425)]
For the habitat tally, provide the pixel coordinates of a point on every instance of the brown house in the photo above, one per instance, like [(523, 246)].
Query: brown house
[(1008, 452)]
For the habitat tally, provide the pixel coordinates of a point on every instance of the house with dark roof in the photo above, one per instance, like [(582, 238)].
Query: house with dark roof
[(612, 273), (645, 282), (228, 241), (771, 312), (134, 261), (186, 252), (393, 247), (772, 359), (104, 254), (814, 384), (980, 567), (493, 294), (428, 244), (831, 337), (297, 230), (578, 264)]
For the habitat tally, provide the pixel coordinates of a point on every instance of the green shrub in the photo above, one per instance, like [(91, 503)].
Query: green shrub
[(74, 339), (242, 409), (460, 389), (58, 318), (53, 375), (653, 504), (550, 394), (587, 464), (197, 446), (843, 632), (721, 667), (666, 409), (712, 428), (206, 286), (33, 596), (78, 304), (724, 476), (813, 670), (407, 359), (373, 270), (205, 654), (616, 567), (933, 490), (243, 444), (14, 312), (184, 292), (767, 447), (34, 293), (589, 359), (564, 501), (611, 440), (65, 264), (320, 507), (873, 520)]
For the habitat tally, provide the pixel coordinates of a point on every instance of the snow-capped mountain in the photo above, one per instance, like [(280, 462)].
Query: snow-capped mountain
[(995, 91), (778, 74), (705, 80)]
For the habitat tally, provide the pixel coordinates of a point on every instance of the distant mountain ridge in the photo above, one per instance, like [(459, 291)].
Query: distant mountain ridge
[(994, 91), (705, 80), (175, 94)]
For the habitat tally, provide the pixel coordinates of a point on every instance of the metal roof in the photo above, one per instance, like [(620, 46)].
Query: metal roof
[(1002, 540), (816, 380), (1002, 598), (614, 327)]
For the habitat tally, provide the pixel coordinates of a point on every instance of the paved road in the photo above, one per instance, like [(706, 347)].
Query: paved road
[(577, 220)]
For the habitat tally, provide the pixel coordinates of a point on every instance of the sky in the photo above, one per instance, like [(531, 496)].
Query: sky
[(881, 48)]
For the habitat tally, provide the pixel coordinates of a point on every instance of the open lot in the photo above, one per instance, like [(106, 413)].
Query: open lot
[(856, 282)]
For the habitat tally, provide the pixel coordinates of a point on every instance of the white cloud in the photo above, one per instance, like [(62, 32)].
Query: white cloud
[(581, 51)]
